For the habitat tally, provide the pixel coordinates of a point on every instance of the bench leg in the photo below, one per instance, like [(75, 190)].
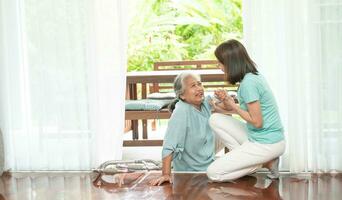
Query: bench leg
[(144, 124), (135, 133), (154, 125)]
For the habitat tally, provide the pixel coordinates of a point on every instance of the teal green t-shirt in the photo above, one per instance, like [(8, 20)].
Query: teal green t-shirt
[(255, 88), (189, 138)]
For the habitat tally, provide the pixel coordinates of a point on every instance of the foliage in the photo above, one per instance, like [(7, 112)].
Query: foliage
[(164, 30)]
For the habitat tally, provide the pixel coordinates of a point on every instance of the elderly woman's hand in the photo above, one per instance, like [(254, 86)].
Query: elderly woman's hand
[(161, 180)]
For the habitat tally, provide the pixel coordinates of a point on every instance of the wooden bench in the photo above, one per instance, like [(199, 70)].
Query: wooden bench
[(154, 81), (144, 115)]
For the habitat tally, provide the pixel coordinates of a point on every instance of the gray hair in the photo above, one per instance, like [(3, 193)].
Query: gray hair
[(179, 87)]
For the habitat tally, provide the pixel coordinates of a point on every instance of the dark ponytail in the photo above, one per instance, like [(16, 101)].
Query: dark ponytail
[(172, 105)]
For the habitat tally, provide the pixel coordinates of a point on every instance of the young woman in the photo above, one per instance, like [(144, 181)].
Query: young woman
[(260, 141), (189, 142)]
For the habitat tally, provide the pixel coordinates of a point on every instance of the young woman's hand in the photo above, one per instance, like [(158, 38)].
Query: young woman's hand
[(227, 100), (219, 107), (230, 101), (161, 180), (221, 94)]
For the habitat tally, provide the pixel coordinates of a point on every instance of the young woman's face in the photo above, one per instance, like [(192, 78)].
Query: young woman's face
[(194, 91), (221, 66)]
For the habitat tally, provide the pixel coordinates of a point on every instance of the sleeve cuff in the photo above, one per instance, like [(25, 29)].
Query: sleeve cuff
[(177, 152)]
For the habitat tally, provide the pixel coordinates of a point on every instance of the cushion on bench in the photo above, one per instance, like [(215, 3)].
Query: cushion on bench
[(161, 95), (147, 104)]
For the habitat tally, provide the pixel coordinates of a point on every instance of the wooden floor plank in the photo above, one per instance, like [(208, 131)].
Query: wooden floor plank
[(68, 185)]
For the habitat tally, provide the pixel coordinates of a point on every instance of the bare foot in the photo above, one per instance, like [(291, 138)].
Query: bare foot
[(268, 165), (273, 166)]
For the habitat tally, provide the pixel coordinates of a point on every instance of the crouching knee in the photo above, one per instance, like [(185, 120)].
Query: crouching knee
[(214, 120), (214, 174), (218, 175)]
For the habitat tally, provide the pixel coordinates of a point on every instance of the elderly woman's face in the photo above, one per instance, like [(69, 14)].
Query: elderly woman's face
[(194, 91)]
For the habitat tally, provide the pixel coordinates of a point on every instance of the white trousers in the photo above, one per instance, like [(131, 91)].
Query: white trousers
[(244, 157)]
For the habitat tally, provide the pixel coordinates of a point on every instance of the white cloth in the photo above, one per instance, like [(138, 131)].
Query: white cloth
[(62, 83), (300, 57), (244, 157)]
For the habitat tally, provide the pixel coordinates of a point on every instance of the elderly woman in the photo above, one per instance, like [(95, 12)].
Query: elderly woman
[(189, 142)]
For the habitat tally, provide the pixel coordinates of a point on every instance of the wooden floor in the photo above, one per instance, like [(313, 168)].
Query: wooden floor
[(73, 186)]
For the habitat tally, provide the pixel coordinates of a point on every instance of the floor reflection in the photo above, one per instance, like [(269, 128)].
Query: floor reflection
[(248, 187), (72, 186)]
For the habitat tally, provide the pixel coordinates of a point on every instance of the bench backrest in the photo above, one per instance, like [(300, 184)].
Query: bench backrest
[(185, 65), (188, 65)]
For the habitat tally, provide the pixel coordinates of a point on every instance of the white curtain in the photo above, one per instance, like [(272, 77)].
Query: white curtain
[(297, 46), (62, 82)]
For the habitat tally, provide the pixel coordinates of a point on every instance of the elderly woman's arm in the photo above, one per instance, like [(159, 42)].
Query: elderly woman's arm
[(166, 172)]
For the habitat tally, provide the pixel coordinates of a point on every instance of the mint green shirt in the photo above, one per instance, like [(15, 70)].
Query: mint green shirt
[(189, 137), (255, 88)]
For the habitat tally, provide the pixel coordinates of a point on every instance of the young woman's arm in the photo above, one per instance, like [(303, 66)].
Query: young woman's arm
[(252, 116), (166, 172)]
